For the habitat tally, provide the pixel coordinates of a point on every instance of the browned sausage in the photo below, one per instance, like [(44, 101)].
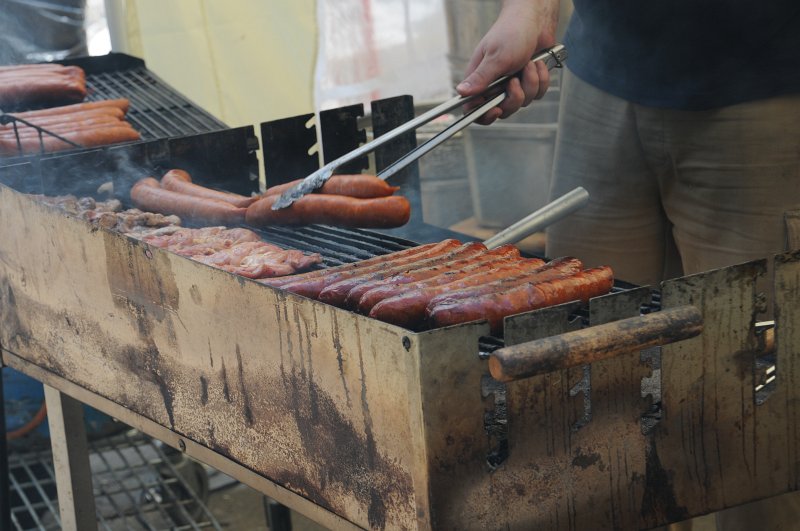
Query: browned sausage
[(311, 287), (558, 268), (16, 91), (399, 281), (50, 120), (338, 210), (358, 185), (382, 259), (59, 129), (33, 67), (336, 293), (407, 308), (120, 103), (148, 195), (523, 298), (181, 182), (93, 137)]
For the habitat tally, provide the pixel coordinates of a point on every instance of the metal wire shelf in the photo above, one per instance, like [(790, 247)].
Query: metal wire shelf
[(138, 484)]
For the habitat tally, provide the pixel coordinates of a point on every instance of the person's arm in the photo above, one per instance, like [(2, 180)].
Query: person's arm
[(522, 28)]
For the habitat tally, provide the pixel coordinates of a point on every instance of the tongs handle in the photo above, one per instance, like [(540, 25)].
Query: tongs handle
[(552, 57)]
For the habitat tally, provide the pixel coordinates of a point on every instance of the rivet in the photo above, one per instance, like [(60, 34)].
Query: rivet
[(148, 253), (181, 445), (406, 343)]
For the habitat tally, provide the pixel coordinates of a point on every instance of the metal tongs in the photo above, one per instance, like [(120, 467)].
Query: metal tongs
[(552, 57)]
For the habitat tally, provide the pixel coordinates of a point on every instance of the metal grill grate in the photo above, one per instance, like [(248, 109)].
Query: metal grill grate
[(138, 484), (157, 111)]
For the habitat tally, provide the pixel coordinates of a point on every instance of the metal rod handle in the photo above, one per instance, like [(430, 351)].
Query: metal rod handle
[(542, 218), (595, 343)]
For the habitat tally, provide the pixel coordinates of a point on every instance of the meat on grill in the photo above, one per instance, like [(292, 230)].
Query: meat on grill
[(27, 85)]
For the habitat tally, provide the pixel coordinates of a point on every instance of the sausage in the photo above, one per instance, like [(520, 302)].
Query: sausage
[(120, 103), (357, 185), (181, 182), (558, 268), (336, 293), (17, 91), (338, 210), (148, 195), (93, 137), (80, 125), (50, 120), (523, 298), (313, 286), (356, 297), (407, 308), (382, 259)]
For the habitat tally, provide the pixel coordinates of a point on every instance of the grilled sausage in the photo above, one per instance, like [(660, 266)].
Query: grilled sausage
[(311, 287), (93, 137), (50, 120), (59, 129), (336, 293), (558, 268), (407, 309), (181, 182), (523, 298), (361, 264), (338, 210), (16, 91), (357, 298), (358, 185), (148, 195), (120, 103)]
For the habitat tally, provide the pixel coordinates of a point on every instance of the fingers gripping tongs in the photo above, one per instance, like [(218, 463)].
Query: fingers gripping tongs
[(552, 57)]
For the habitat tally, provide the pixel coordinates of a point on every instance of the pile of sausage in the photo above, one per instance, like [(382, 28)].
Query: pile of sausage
[(448, 283), (24, 86), (90, 124), (345, 200)]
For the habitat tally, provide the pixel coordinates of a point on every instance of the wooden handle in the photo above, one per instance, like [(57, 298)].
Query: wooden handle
[(595, 343)]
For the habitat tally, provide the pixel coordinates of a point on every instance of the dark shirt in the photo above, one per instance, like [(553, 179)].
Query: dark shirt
[(687, 54)]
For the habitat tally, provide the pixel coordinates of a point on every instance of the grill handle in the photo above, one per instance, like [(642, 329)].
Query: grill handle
[(542, 218), (595, 343)]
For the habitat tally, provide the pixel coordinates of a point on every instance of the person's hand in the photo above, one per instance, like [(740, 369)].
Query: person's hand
[(522, 28)]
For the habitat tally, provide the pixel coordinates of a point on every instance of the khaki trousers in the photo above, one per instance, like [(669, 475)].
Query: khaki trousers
[(677, 192), (673, 192)]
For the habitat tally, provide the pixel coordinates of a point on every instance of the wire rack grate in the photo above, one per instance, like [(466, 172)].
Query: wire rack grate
[(138, 483)]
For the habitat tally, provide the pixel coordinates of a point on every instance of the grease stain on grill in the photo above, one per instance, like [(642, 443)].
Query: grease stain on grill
[(246, 409), (585, 460), (337, 345), (658, 500), (203, 390), (226, 390), (147, 364)]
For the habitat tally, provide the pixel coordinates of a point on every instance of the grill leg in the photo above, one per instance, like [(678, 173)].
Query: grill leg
[(279, 518), (5, 501), (71, 461)]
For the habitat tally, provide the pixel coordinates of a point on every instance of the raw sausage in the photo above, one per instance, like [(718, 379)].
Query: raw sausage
[(59, 129), (148, 195), (494, 307), (181, 182), (338, 210), (336, 294), (400, 281), (313, 286), (407, 308), (358, 185)]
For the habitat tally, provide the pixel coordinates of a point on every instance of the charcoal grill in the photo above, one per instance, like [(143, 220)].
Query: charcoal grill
[(358, 423)]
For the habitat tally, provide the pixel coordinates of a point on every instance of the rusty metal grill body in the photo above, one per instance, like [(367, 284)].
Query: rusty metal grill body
[(369, 425)]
